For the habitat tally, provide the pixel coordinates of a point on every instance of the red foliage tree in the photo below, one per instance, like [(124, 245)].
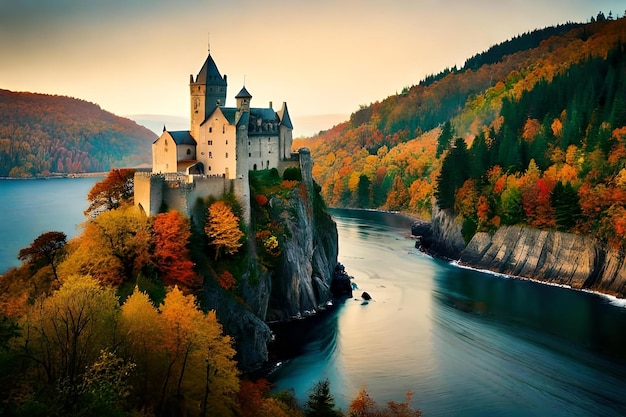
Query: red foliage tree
[(108, 194), (171, 255)]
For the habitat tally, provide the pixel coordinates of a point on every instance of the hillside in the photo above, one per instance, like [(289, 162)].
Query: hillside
[(44, 134), (534, 136)]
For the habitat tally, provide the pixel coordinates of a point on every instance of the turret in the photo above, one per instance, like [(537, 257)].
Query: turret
[(243, 99)]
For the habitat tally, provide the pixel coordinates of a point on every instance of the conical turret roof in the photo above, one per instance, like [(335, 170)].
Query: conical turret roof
[(209, 74), (243, 93)]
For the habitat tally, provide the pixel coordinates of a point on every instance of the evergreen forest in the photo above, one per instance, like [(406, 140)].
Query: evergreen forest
[(531, 132)]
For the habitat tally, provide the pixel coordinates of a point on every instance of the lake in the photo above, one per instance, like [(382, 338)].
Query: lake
[(35, 206), (466, 343)]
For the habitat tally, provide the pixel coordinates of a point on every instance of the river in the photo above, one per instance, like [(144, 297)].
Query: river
[(466, 343)]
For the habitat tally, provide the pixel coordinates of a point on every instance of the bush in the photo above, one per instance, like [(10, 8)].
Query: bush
[(292, 174)]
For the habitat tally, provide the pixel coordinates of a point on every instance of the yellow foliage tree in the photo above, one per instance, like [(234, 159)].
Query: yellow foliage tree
[(222, 228)]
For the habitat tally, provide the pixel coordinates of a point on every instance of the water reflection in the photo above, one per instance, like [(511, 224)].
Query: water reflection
[(574, 317)]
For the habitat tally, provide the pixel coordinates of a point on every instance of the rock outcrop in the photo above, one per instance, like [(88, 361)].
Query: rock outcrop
[(560, 258), (441, 236), (300, 284), (580, 262), (297, 285)]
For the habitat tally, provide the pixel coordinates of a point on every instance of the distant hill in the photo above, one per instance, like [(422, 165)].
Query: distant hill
[(47, 134), (530, 132)]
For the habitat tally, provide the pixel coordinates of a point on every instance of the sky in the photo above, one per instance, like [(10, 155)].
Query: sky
[(325, 58)]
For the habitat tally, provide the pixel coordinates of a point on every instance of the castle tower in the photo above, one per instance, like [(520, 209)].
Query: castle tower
[(243, 99), (207, 92)]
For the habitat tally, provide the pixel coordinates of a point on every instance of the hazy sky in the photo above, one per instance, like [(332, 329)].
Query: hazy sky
[(320, 56)]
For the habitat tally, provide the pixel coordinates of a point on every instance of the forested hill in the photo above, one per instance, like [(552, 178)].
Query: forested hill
[(532, 136), (45, 134)]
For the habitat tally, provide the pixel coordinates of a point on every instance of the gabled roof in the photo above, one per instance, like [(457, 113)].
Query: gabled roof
[(283, 115), (209, 74), (243, 93), (182, 137), (230, 113)]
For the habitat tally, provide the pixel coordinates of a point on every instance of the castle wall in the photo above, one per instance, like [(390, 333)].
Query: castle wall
[(262, 152), (148, 191), (180, 192)]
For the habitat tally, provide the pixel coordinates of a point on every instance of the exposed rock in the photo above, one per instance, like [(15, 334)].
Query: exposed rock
[(447, 240), (550, 256), (301, 283), (440, 237), (580, 262), (341, 286), (366, 296)]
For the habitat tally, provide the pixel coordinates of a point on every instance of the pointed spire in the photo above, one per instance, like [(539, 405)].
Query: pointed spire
[(164, 129)]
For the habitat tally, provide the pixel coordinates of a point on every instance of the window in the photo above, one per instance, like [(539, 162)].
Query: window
[(210, 129), (210, 154), (188, 151), (254, 167), (209, 167), (249, 154), (210, 142), (223, 128), (227, 141), (226, 154)]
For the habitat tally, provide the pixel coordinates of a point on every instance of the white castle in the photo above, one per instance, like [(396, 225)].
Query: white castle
[(216, 154)]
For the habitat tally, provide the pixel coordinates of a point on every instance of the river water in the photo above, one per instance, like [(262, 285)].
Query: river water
[(466, 343)]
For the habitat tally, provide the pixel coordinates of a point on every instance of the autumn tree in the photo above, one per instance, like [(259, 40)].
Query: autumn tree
[(171, 253), (114, 190), (65, 334), (398, 197), (222, 228), (46, 247), (112, 248), (200, 366), (140, 324)]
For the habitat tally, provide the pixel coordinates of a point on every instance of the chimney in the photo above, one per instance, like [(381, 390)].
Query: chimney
[(271, 105)]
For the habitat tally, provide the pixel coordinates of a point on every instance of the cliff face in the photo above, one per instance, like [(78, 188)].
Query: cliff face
[(297, 285), (300, 284), (561, 258)]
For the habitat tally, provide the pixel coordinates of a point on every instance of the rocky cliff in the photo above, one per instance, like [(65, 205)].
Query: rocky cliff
[(561, 258), (298, 281), (301, 282)]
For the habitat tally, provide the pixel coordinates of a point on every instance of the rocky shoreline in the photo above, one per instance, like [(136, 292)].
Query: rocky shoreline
[(559, 258)]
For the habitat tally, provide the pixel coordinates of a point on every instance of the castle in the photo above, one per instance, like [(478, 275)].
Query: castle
[(215, 155)]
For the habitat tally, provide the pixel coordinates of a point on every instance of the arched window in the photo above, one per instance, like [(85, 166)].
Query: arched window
[(210, 129), (254, 167), (188, 151)]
